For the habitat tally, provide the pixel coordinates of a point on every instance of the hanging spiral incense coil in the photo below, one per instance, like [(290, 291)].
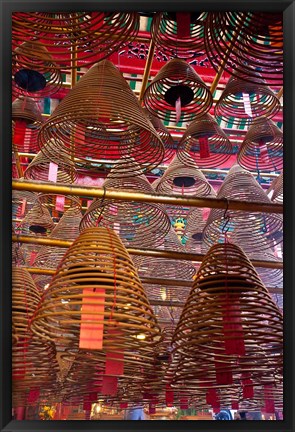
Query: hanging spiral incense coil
[(255, 232), (27, 119), (246, 42), (204, 143), (137, 223), (193, 233), (101, 118), (277, 187), (97, 260), (92, 34), (262, 148), (180, 178), (22, 203), (164, 134), (229, 323), (58, 204), (34, 71), (177, 81), (246, 101), (39, 169), (180, 33)]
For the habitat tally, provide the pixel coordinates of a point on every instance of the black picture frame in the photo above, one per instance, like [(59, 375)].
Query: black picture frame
[(288, 8)]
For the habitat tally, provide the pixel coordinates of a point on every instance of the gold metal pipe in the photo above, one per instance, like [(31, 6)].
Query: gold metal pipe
[(139, 252), (120, 195)]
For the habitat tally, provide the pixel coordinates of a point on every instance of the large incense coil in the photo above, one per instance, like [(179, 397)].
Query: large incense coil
[(34, 71), (228, 301), (96, 258), (93, 34), (101, 118), (177, 80), (183, 179), (138, 224), (259, 101), (262, 148), (255, 232), (277, 186), (39, 167), (204, 143), (180, 40), (162, 267), (164, 134), (246, 42)]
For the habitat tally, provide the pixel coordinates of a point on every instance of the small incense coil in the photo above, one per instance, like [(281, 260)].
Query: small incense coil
[(240, 96), (256, 231), (204, 143), (101, 118), (277, 186), (97, 258), (182, 179), (34, 71), (164, 134), (93, 34), (262, 148), (39, 168), (181, 39), (138, 224), (246, 42), (177, 80), (229, 322)]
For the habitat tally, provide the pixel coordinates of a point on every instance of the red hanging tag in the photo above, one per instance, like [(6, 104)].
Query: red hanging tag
[(204, 147), (114, 363), (23, 207), (87, 405), (212, 397), (183, 403), (19, 132), (248, 389), (92, 396), (223, 373), (60, 203), (91, 333), (123, 405), (79, 139), (109, 385), (19, 413), (178, 109), (169, 396), (52, 173), (205, 213), (268, 399), (27, 140), (183, 20), (232, 327), (235, 405), (263, 151), (33, 395), (89, 203), (33, 257), (152, 408)]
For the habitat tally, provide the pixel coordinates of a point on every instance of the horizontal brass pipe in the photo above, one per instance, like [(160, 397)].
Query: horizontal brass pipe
[(120, 195), (139, 252)]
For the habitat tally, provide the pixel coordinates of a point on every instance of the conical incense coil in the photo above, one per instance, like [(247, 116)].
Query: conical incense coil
[(101, 118), (34, 71), (246, 101), (229, 323), (262, 148), (177, 90), (93, 34), (40, 169), (246, 42), (58, 204), (27, 118), (96, 273), (164, 134), (277, 186), (181, 33), (193, 234), (204, 143), (137, 223), (254, 231), (183, 179)]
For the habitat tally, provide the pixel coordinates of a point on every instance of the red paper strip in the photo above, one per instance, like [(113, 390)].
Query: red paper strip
[(109, 385), (232, 327), (89, 203), (205, 213), (183, 403), (235, 405), (248, 390), (152, 408), (268, 399), (87, 406), (212, 398), (91, 334), (19, 132), (223, 373), (263, 151), (178, 109), (169, 396), (33, 257), (23, 207), (183, 20), (113, 366), (27, 140), (92, 396), (204, 147), (19, 413), (123, 405), (33, 395), (60, 203), (52, 173)]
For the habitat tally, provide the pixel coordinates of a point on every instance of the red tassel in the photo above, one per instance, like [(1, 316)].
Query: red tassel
[(204, 147), (232, 327), (183, 20), (19, 132)]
